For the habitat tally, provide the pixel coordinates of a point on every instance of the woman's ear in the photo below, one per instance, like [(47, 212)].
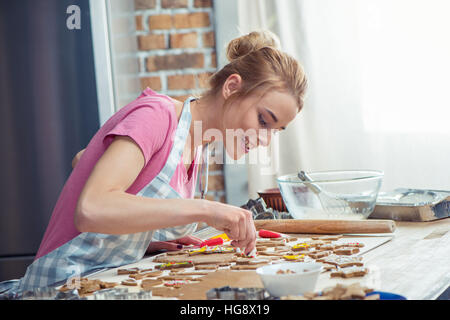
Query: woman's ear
[(231, 85)]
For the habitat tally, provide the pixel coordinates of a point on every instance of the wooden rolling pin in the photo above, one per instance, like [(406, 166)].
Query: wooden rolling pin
[(326, 226)]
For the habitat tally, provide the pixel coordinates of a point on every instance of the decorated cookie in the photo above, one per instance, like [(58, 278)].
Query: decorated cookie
[(129, 282), (342, 261), (172, 265), (347, 251), (318, 254), (297, 257), (301, 247), (175, 283), (350, 244), (327, 237), (349, 272)]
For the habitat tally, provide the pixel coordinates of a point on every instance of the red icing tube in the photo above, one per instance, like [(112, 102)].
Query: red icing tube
[(268, 234), (212, 242)]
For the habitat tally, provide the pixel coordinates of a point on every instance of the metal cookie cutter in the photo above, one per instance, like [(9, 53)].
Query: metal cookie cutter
[(230, 293), (121, 294), (260, 211), (49, 293)]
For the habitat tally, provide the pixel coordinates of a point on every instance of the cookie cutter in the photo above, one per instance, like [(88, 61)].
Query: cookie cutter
[(69, 295), (260, 211), (121, 294), (231, 293), (50, 293)]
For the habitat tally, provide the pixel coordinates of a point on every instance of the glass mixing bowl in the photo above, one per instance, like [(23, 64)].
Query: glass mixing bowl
[(346, 195)]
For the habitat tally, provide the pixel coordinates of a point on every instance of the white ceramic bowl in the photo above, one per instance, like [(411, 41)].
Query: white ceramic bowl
[(303, 280)]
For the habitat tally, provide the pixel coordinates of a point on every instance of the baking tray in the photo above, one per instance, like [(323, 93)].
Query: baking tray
[(404, 204)]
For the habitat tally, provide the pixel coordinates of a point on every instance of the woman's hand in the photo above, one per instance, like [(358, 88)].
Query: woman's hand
[(173, 245), (236, 222)]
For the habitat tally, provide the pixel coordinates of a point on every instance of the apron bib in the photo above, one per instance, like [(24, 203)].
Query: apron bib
[(89, 252)]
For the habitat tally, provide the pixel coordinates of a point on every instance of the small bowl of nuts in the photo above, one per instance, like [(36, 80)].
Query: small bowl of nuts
[(292, 278)]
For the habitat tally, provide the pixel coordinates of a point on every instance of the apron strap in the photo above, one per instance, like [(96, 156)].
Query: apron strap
[(179, 141), (204, 171)]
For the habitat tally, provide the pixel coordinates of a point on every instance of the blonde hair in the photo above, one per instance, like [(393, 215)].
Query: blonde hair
[(257, 58)]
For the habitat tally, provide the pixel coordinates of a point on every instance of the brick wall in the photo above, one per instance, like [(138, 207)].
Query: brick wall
[(177, 54)]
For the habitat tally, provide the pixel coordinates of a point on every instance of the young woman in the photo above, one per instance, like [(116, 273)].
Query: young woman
[(132, 188)]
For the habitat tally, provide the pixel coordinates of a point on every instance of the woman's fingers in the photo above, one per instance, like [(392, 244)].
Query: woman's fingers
[(188, 240), (236, 222), (164, 245), (247, 233)]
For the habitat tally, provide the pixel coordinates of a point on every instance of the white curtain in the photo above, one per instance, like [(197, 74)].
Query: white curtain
[(379, 88)]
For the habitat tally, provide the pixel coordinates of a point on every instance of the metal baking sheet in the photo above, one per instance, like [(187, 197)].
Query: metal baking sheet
[(405, 204)]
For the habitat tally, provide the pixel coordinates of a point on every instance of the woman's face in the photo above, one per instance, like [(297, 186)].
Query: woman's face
[(251, 121)]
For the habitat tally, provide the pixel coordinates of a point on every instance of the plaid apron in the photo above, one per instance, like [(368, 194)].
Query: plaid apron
[(89, 252)]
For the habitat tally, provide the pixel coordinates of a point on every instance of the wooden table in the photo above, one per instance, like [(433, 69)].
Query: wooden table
[(415, 263)]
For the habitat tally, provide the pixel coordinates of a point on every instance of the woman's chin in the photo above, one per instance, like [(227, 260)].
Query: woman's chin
[(235, 154)]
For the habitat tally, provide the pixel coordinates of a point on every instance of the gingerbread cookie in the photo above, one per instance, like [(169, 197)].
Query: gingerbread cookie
[(327, 247), (354, 291), (350, 244), (338, 292), (224, 264), (166, 292), (172, 265), (148, 284), (272, 253), (327, 237), (247, 266), (349, 272), (318, 254), (175, 283), (301, 247), (347, 251), (129, 282), (272, 243), (176, 277), (127, 271), (317, 243), (153, 274), (342, 261), (87, 287), (211, 250), (246, 261), (138, 276), (206, 267), (328, 267), (297, 257)]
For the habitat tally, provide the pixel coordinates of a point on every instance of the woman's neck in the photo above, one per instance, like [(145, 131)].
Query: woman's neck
[(206, 115)]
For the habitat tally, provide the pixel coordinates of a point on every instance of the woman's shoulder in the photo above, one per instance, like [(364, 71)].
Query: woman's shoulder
[(171, 104)]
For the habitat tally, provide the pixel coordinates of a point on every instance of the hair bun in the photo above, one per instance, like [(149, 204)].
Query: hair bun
[(251, 42)]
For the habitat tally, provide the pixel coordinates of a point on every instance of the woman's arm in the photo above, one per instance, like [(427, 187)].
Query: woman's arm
[(105, 207)]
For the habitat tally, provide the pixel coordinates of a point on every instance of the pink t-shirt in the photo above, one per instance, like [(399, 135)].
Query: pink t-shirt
[(151, 121)]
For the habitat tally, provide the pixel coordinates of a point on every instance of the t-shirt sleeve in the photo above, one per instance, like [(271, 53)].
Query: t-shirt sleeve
[(147, 125)]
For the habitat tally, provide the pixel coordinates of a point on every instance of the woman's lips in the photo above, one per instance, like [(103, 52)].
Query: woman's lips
[(246, 145)]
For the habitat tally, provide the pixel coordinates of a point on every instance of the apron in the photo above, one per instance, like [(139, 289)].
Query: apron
[(89, 252)]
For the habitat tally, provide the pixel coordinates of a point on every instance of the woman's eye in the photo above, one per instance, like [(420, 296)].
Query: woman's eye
[(261, 120)]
